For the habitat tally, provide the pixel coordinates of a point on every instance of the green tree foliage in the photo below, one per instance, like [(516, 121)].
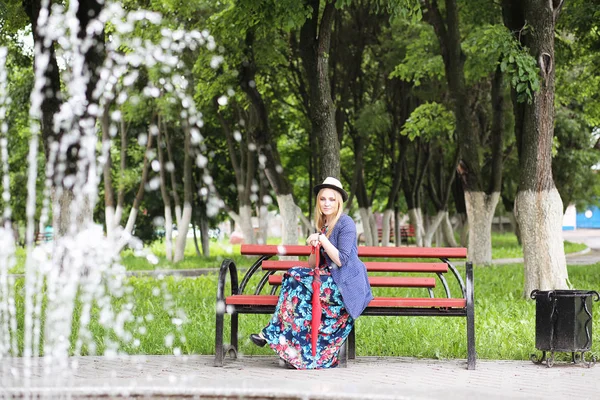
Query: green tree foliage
[(430, 121), (422, 59), (490, 45)]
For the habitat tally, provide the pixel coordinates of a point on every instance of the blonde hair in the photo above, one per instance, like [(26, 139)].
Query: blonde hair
[(320, 218)]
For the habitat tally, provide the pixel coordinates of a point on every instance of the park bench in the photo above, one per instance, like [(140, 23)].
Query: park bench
[(44, 237), (418, 268), (406, 232)]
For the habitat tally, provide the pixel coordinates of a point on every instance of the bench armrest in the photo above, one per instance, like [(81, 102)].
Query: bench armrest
[(226, 265)]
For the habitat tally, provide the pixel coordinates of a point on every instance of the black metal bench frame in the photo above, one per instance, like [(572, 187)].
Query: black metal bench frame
[(256, 305)]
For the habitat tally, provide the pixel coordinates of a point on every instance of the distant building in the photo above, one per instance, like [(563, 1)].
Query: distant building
[(586, 219), (589, 219)]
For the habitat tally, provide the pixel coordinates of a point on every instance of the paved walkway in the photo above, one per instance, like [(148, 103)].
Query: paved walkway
[(261, 377)]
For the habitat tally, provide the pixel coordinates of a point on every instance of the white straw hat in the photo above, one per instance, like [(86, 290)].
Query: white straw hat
[(331, 183)]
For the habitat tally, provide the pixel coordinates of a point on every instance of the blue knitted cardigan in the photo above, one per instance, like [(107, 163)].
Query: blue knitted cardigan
[(351, 277)]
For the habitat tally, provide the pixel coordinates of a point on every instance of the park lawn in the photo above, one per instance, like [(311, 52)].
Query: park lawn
[(174, 315)]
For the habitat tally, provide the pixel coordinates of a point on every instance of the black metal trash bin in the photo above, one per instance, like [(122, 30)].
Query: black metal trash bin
[(563, 323)]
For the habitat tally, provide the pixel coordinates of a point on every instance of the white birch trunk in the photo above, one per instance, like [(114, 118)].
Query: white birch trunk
[(178, 214), (109, 220), (263, 225), (245, 222), (448, 231), (539, 216), (182, 230), (168, 234), (369, 226), (367, 235), (118, 215), (416, 219), (130, 221), (373, 224), (386, 224), (480, 212), (463, 225), (70, 214), (289, 217), (513, 222), (432, 228), (306, 224)]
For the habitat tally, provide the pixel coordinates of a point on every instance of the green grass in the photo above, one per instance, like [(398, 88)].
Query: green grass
[(504, 319), (505, 245)]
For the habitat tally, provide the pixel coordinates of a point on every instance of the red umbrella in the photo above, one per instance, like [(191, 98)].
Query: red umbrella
[(316, 302)]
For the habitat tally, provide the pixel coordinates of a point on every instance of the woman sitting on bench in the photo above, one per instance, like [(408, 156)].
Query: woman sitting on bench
[(345, 291)]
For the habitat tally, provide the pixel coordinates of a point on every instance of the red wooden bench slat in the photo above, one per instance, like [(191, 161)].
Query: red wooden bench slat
[(407, 231), (417, 302), (283, 265), (271, 249), (271, 300), (363, 251), (412, 252), (373, 266), (252, 299), (381, 281), (381, 266)]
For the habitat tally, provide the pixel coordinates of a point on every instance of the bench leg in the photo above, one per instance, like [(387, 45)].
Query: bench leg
[(351, 344), (343, 356), (234, 331), (219, 340), (471, 353), (232, 348)]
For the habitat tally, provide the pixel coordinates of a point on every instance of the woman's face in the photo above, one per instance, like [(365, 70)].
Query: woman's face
[(328, 202)]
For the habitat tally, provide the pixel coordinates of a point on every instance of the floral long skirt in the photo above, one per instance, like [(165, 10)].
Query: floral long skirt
[(289, 331)]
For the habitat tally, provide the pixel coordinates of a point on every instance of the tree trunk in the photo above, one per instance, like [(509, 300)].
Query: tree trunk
[(182, 230), (448, 231), (51, 101), (168, 233), (366, 224), (165, 195), (412, 183), (170, 161), (243, 161), (141, 190), (540, 218), (262, 209), (315, 40), (109, 197), (538, 206), (433, 228), (289, 216), (480, 209), (69, 141), (245, 224), (204, 236), (267, 146), (416, 219), (439, 187), (122, 167), (186, 215), (386, 227), (448, 33)]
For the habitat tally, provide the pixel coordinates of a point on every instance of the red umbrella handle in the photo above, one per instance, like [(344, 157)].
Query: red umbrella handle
[(316, 301)]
